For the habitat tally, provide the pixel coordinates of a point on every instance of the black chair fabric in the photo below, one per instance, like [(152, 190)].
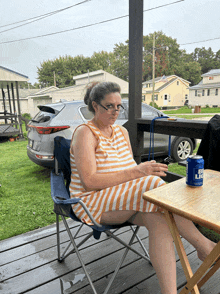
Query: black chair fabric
[(210, 144)]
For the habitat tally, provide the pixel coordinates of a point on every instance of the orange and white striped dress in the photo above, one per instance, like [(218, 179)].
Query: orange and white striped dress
[(112, 155)]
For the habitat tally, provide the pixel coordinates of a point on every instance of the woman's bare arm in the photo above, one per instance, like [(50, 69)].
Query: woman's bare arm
[(83, 146)]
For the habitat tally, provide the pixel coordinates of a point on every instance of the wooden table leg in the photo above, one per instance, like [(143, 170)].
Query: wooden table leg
[(204, 267), (181, 252)]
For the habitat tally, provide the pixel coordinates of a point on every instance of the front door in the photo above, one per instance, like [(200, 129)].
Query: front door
[(165, 99)]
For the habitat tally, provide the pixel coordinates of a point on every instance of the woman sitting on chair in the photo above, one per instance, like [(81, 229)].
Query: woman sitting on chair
[(110, 183)]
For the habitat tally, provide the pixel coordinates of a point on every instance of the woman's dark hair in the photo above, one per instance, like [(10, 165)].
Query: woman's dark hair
[(97, 91)]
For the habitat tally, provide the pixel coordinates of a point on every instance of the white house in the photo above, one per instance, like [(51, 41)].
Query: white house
[(207, 92), (76, 92), (101, 76)]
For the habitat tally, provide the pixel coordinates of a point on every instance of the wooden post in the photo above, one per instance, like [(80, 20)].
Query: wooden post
[(3, 98), (13, 98), (153, 67), (19, 112), (135, 74), (9, 99)]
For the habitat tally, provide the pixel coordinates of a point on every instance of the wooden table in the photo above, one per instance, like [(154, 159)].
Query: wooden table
[(201, 205)]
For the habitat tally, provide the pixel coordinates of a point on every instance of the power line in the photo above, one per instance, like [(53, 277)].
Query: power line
[(85, 26), (39, 17), (200, 41)]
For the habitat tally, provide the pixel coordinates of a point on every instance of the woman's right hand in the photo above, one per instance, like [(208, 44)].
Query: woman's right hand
[(152, 168)]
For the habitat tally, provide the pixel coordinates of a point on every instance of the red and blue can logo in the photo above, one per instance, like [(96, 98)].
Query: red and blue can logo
[(194, 171)]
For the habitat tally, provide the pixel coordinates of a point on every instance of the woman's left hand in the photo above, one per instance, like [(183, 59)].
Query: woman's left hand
[(153, 168)]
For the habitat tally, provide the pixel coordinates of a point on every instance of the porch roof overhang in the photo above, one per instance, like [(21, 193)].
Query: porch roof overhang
[(8, 76)]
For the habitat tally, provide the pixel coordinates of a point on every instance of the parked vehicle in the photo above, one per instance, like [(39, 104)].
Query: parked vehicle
[(63, 117)]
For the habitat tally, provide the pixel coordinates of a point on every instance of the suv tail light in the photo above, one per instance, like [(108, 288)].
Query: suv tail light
[(48, 130)]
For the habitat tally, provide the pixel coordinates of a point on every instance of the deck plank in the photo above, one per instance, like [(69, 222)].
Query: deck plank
[(30, 265)]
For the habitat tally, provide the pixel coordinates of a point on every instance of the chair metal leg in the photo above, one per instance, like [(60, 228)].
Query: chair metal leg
[(121, 260), (68, 246), (79, 256), (142, 245), (127, 245), (78, 245), (58, 236)]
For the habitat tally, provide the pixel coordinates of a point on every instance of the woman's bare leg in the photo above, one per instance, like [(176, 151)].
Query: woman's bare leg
[(161, 248), (189, 232)]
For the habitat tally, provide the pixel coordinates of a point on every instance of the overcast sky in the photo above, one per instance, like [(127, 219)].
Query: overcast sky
[(187, 21)]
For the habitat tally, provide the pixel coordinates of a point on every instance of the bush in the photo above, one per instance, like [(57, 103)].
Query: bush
[(207, 106), (27, 116), (155, 105)]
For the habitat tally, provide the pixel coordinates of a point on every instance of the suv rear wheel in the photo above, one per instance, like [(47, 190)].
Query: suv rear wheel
[(182, 148)]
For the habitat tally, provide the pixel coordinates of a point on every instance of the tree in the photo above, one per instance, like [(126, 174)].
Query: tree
[(103, 60), (205, 57), (164, 59), (173, 61), (120, 63), (190, 71)]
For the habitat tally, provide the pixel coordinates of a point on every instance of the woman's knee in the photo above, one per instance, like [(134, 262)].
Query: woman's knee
[(156, 222)]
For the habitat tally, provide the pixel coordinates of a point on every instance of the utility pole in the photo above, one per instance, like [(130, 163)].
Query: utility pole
[(88, 76), (54, 78), (153, 67)]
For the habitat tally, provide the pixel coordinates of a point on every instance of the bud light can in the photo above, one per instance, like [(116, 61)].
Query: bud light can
[(194, 171)]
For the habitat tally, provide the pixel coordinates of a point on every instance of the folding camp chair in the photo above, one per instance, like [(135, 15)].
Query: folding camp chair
[(60, 180)]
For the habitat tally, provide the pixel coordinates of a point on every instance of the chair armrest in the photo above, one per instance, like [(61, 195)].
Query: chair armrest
[(59, 192)]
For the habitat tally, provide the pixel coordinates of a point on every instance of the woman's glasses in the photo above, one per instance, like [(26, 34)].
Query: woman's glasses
[(111, 107)]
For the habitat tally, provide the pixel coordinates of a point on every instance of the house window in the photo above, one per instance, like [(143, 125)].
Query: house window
[(155, 97), (208, 92), (143, 97), (216, 92), (177, 83), (195, 92), (203, 92)]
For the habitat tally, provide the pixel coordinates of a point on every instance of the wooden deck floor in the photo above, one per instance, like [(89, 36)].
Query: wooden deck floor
[(28, 265)]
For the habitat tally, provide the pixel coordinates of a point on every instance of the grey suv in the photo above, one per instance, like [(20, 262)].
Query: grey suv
[(63, 117)]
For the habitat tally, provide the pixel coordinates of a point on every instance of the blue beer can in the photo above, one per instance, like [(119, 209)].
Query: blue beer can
[(194, 171)]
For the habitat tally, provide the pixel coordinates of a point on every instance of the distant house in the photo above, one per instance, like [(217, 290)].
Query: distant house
[(101, 76), (207, 92), (170, 91), (76, 92)]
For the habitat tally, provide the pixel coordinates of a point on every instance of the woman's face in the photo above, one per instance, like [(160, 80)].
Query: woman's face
[(108, 109)]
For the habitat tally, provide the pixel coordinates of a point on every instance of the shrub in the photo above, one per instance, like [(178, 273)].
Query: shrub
[(155, 105), (27, 116)]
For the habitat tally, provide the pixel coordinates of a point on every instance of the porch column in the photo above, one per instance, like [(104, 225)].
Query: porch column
[(135, 74)]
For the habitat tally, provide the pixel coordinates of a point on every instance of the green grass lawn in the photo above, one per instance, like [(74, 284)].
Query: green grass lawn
[(185, 109), (25, 201)]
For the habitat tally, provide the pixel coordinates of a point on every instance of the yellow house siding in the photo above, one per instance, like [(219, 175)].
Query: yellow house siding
[(175, 94)]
